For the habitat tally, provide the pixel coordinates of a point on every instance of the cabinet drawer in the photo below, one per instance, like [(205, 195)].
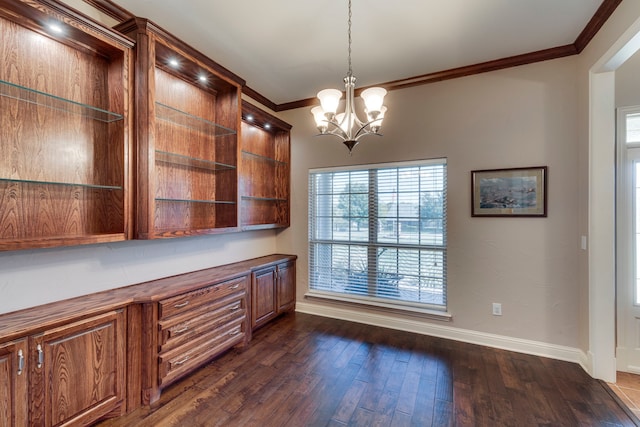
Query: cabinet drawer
[(174, 363), (187, 301), (180, 329)]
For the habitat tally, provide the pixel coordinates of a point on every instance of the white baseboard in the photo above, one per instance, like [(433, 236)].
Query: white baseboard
[(536, 348)]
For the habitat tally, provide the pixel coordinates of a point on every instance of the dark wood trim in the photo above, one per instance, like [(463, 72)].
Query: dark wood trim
[(259, 97), (483, 67), (145, 25), (111, 9), (261, 117), (603, 13), (601, 16)]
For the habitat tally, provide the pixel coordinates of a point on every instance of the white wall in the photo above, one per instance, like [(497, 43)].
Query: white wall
[(628, 82), (33, 277), (524, 116)]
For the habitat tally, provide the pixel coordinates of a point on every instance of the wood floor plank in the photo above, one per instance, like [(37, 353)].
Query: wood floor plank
[(303, 370)]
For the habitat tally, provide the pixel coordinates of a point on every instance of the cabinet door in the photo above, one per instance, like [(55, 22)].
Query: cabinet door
[(78, 372), (286, 287), (13, 384), (263, 292)]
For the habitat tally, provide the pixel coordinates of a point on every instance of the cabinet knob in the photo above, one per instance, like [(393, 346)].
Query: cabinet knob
[(40, 356), (20, 362)]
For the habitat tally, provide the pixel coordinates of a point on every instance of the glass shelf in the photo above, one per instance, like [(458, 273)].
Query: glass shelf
[(65, 184), (180, 118), (265, 158), (211, 202), (264, 199), (32, 96), (194, 162)]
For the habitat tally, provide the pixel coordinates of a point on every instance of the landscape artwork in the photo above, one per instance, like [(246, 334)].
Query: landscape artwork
[(509, 192)]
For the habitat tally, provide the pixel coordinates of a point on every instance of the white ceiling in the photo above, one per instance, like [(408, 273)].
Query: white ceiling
[(287, 50)]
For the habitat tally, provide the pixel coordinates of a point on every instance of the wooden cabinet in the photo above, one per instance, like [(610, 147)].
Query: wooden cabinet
[(64, 128), (264, 170), (263, 296), (188, 116), (286, 287), (273, 292), (13, 384), (77, 371), (72, 374), (183, 331)]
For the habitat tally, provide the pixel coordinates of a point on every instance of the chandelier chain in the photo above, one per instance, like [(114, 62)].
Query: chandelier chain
[(349, 33)]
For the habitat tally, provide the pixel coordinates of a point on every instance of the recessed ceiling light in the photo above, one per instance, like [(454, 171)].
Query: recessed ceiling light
[(249, 118), (174, 63), (203, 78), (267, 126)]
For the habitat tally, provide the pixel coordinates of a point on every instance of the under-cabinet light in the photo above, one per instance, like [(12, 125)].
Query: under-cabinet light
[(56, 28)]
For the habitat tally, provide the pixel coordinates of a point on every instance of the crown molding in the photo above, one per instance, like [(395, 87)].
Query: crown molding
[(594, 25)]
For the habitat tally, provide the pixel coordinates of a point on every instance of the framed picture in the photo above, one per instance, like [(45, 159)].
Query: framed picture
[(509, 192)]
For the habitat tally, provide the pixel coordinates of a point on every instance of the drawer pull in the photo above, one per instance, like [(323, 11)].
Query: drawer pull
[(236, 286), (182, 304), (181, 362), (235, 307), (181, 330), (20, 362), (40, 356), (234, 332)]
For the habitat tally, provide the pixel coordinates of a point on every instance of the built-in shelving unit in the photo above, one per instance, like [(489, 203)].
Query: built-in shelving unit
[(187, 128), (265, 170), (64, 128)]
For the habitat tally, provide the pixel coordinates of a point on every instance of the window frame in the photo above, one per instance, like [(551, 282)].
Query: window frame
[(373, 244)]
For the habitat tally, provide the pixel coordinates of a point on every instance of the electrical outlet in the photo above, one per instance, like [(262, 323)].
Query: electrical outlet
[(497, 309)]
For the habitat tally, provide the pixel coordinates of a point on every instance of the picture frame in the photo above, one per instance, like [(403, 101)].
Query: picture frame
[(514, 192)]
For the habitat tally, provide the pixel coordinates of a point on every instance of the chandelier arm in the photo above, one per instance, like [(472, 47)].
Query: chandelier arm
[(337, 131)]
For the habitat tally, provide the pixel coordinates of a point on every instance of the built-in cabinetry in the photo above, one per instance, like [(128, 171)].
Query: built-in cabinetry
[(265, 165), (187, 121), (64, 128), (68, 374), (183, 331), (273, 292), (77, 361), (14, 397)]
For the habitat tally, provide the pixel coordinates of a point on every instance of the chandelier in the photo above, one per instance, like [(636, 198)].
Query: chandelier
[(347, 126)]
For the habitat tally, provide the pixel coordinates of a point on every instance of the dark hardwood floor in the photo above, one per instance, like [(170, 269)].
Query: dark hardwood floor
[(305, 370)]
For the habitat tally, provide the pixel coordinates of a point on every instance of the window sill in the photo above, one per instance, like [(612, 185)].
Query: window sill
[(397, 307)]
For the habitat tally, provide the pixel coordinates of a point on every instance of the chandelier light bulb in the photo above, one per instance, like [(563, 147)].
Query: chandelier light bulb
[(329, 100), (321, 120), (373, 98)]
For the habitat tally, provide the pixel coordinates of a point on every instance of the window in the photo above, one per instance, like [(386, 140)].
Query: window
[(377, 233)]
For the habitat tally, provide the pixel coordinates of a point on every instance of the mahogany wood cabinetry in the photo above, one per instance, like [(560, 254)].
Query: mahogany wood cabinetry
[(183, 331), (64, 128), (14, 398), (76, 361), (273, 292), (187, 121), (69, 374), (265, 169)]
